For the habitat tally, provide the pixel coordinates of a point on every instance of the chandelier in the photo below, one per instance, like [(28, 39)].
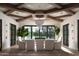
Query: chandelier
[(39, 19), (39, 23)]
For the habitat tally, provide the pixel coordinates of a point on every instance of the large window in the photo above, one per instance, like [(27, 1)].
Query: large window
[(45, 32), (13, 34), (66, 35), (35, 32), (29, 35)]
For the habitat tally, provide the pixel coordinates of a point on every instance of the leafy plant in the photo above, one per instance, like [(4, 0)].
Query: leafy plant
[(57, 31), (22, 32)]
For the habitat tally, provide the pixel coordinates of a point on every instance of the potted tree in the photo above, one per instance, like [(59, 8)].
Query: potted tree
[(22, 33), (57, 43), (56, 31)]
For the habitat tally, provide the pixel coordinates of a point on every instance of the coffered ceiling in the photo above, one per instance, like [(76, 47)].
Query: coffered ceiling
[(55, 11), (37, 6)]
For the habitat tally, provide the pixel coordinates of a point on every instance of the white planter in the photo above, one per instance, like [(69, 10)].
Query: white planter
[(22, 45)]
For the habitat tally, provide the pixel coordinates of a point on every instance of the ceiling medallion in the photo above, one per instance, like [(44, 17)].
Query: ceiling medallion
[(39, 16)]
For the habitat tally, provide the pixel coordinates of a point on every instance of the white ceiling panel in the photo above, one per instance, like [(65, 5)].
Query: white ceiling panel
[(65, 17), (14, 17), (75, 9), (38, 6), (58, 14), (3, 9), (24, 14)]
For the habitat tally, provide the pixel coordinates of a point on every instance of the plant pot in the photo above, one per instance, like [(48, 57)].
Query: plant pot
[(22, 45)]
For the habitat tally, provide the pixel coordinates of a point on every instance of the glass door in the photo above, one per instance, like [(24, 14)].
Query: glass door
[(78, 33), (13, 34), (0, 34), (66, 35)]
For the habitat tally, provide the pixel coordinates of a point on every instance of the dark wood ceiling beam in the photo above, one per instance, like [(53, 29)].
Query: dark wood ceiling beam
[(64, 16), (56, 5), (6, 12), (19, 4), (13, 7), (59, 4), (54, 18), (10, 11), (24, 18), (68, 10), (15, 15), (65, 7)]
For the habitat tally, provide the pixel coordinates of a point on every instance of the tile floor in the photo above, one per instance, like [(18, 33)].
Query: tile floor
[(17, 52)]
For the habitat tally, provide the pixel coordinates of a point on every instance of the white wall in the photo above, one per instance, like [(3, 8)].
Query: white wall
[(6, 20), (46, 22), (72, 21)]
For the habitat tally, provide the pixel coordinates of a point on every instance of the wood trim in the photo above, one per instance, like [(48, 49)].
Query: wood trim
[(15, 15), (54, 18), (64, 16), (24, 18)]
